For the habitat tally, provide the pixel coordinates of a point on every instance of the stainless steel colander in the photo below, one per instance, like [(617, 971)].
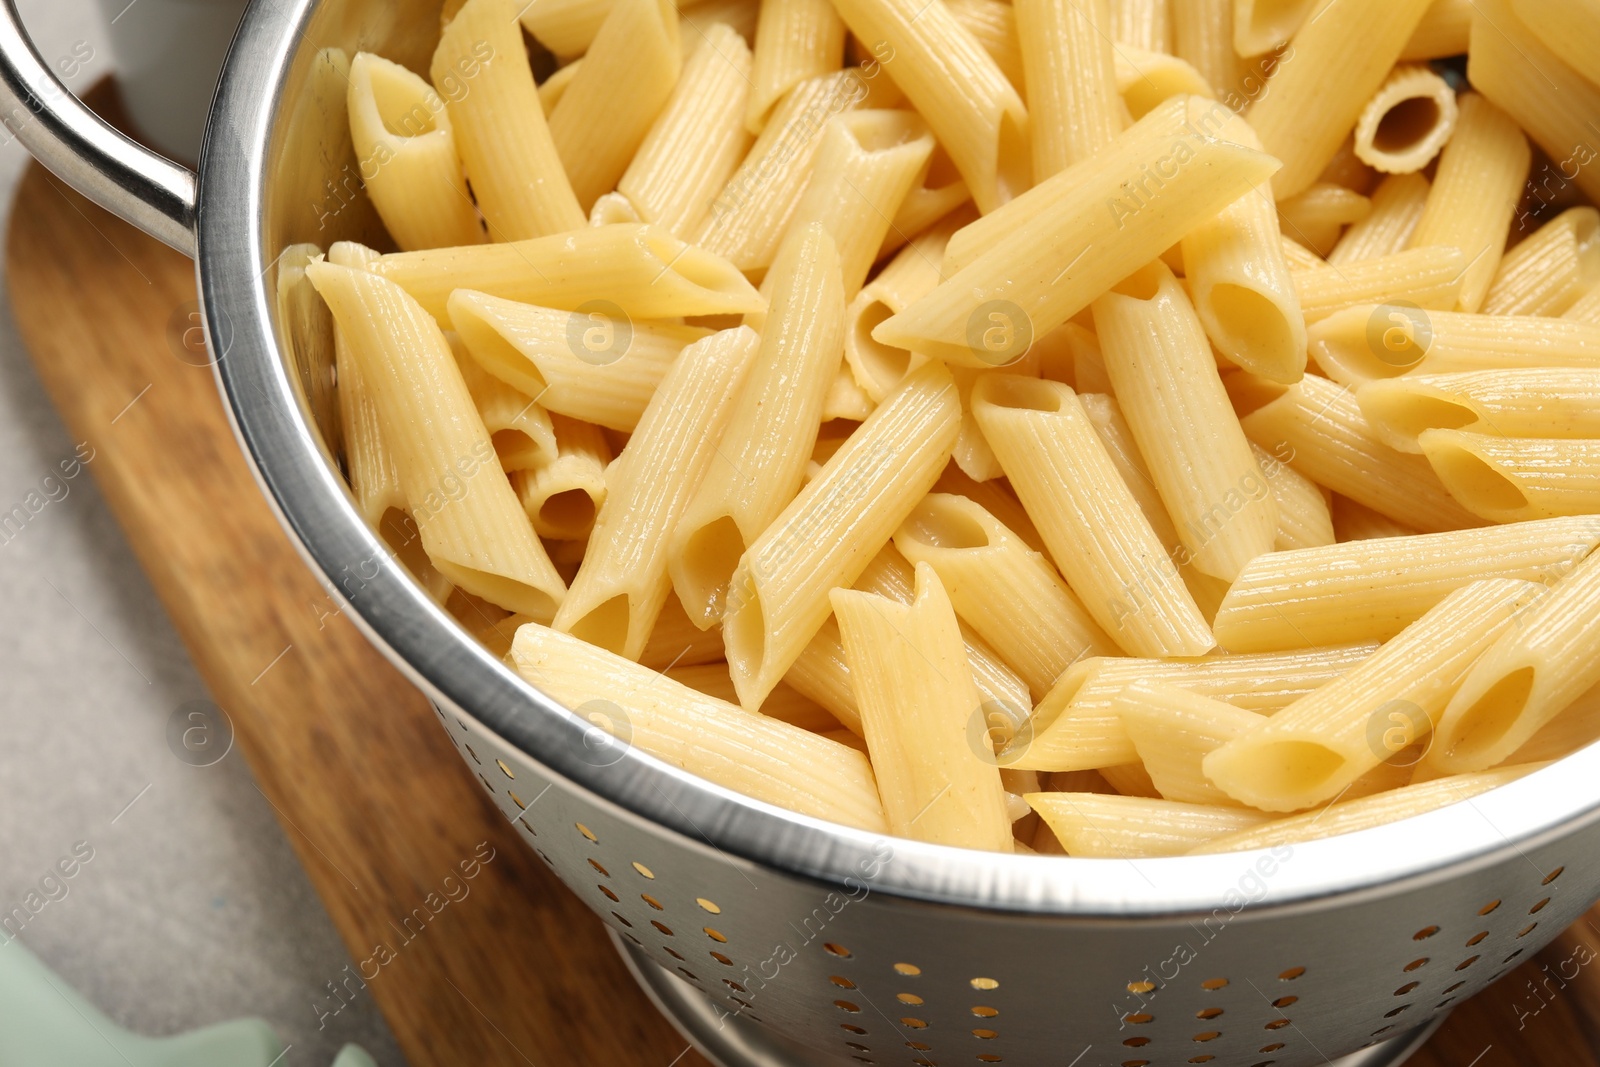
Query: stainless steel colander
[(773, 938)]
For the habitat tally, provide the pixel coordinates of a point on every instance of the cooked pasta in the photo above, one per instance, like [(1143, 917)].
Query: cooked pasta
[(1396, 208), (1371, 341), (1407, 121)]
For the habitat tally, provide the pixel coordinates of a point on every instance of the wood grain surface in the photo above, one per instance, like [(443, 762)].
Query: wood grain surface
[(370, 792)]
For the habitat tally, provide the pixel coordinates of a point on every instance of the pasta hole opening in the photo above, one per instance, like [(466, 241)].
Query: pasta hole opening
[(402, 103), (1492, 715), (1252, 325), (1014, 160), (1144, 283), (1406, 124), (1410, 413), (1274, 21), (693, 264), (744, 628), (883, 364), (1249, 393), (1469, 477), (490, 347), (1292, 768), (943, 521), (1021, 394), (709, 559), (606, 625), (883, 130), (569, 510)]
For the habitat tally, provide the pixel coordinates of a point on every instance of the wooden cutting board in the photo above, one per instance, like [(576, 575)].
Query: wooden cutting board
[(369, 791)]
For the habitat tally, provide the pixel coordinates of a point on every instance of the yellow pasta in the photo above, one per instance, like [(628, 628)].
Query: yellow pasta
[(1524, 402), (1569, 28), (909, 671), (563, 496), (1444, 30), (1507, 479), (760, 460), (1357, 522), (622, 584), (1147, 79), (1407, 121), (1318, 215), (1371, 341), (1142, 24), (778, 596), (1304, 518), (481, 71), (914, 271), (1173, 730), (1310, 751), (1371, 589), (1430, 277), (1397, 206), (400, 129), (1586, 308), (1475, 193), (1071, 82), (1548, 272), (519, 428), (799, 39), (1202, 36), (1088, 824)]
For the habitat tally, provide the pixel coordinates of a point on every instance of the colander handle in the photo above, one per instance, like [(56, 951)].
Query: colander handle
[(142, 187)]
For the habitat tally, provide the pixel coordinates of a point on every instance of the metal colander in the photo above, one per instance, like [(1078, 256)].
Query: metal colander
[(771, 937)]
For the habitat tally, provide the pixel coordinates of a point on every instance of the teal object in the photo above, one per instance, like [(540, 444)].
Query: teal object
[(44, 1022)]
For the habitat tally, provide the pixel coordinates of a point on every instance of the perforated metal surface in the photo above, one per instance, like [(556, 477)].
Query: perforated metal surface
[(868, 977)]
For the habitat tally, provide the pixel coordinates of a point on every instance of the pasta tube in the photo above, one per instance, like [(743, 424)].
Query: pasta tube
[(1384, 340), (1304, 518), (1320, 426), (957, 87), (909, 671), (756, 755), (644, 272), (1526, 678), (1313, 749), (1173, 730), (627, 76), (1397, 206), (1547, 273), (1341, 57), (1372, 589), (1525, 402), (993, 24), (1166, 382), (470, 523), (914, 271), (1429, 277), (1241, 285), (1407, 121), (1507, 479), (799, 39), (622, 584), (481, 70), (417, 186), (1005, 590), (698, 139), (1144, 24), (374, 480), (1317, 215), (1071, 82), (588, 366), (1444, 31), (778, 596), (563, 495), (1078, 726), (1569, 28), (677, 642), (1262, 25), (1102, 219), (1090, 824), (761, 459), (1475, 194), (519, 428), (1147, 79), (1202, 36), (1092, 524)]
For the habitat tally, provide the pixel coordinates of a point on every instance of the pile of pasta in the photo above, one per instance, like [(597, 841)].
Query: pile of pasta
[(1103, 427)]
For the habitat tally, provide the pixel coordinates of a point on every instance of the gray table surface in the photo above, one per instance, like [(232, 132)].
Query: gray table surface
[(194, 908)]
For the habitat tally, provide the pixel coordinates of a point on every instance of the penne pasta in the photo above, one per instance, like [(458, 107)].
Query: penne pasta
[(756, 755), (1304, 518), (1071, 81), (1262, 25), (1371, 589), (1569, 28), (1319, 428), (1475, 193), (760, 460), (1147, 79), (566, 27), (993, 24), (627, 77), (1547, 273), (400, 128), (1555, 104), (1167, 385), (777, 598), (1341, 57), (519, 429), (374, 479), (1407, 121), (1202, 36), (1525, 402), (1575, 726), (1173, 730), (1586, 308), (1369, 341), (469, 521), (588, 366), (1142, 24), (1312, 750), (785, 704), (622, 585), (909, 672), (1367, 812), (1444, 30), (1239, 280), (1430, 277), (563, 496), (1357, 522), (1397, 206), (1526, 678), (1096, 534), (698, 139), (878, 367), (641, 271), (498, 124), (1506, 479), (1003, 589), (994, 498), (1091, 218), (677, 642), (1318, 215), (1298, 256), (954, 84), (1089, 824), (799, 40)]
